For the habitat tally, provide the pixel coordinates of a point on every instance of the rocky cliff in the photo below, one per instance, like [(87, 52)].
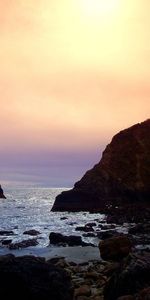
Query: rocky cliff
[(122, 175), (1, 193)]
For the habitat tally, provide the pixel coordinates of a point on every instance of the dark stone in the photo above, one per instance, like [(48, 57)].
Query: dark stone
[(144, 294), (107, 226), (58, 238), (23, 244), (2, 196), (140, 229), (103, 235), (132, 277), (84, 228), (6, 232), (32, 278), (89, 234), (121, 177), (6, 242), (32, 232), (92, 224), (115, 248)]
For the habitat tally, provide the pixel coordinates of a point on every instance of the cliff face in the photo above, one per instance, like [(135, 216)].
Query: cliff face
[(123, 174), (1, 193)]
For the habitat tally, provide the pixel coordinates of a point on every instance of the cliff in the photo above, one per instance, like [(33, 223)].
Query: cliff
[(121, 176), (1, 193)]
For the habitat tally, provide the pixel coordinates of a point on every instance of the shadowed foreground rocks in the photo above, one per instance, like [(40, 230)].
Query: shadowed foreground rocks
[(122, 177), (132, 278), (33, 278), (1, 193)]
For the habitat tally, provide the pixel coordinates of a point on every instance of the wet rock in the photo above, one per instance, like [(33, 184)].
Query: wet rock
[(103, 235), (6, 242), (107, 226), (34, 279), (92, 224), (84, 228), (140, 229), (89, 234), (59, 239), (115, 248), (23, 244), (63, 218), (31, 232), (6, 232)]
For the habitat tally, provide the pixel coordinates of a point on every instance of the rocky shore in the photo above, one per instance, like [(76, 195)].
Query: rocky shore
[(70, 269), (123, 273)]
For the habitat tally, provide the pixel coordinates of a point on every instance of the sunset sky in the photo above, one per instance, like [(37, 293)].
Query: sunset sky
[(72, 74)]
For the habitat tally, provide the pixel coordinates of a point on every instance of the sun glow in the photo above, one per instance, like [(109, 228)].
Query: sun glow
[(101, 8)]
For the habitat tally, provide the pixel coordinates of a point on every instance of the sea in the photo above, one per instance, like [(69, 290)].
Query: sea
[(30, 208)]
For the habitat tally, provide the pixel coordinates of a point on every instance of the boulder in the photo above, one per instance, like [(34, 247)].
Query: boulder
[(32, 278), (60, 239), (6, 232), (115, 248), (31, 232), (121, 177), (131, 278), (23, 244), (1, 193)]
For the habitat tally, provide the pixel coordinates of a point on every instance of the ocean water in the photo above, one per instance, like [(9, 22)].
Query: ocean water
[(30, 208)]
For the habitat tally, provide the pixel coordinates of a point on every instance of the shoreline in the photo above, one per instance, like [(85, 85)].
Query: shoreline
[(77, 254)]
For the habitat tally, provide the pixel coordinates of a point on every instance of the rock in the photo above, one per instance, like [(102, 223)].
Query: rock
[(31, 232), (72, 240), (115, 248), (111, 268), (89, 234), (140, 229), (144, 294), (121, 177), (92, 224), (6, 242), (6, 232), (84, 228), (103, 235), (23, 244), (107, 226), (83, 290), (2, 196), (132, 276), (33, 278)]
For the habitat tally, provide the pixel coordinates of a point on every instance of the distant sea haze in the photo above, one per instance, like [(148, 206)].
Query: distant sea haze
[(48, 169)]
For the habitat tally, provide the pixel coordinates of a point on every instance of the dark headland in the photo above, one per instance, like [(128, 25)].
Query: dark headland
[(2, 196), (122, 177)]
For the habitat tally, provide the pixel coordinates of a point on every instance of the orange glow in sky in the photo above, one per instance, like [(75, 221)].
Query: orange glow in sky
[(72, 72)]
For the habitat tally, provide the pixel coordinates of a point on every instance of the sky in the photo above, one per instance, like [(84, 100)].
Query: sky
[(72, 74)]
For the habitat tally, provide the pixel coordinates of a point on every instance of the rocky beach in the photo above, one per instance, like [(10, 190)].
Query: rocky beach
[(106, 253)]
